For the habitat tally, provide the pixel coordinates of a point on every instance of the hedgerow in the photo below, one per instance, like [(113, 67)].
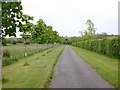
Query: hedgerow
[(108, 46)]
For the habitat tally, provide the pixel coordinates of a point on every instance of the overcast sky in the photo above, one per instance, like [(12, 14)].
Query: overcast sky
[(68, 17)]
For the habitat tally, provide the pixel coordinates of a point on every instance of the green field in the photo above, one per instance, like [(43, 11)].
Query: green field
[(19, 49), (105, 66), (36, 75)]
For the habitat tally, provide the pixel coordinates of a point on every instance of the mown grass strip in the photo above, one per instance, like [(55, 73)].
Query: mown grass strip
[(35, 75), (105, 66), (52, 71)]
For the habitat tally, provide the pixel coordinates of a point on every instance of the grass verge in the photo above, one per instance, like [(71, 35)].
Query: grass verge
[(105, 66), (52, 72), (35, 75), (0, 84)]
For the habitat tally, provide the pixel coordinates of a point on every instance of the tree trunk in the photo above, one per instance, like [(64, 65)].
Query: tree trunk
[(26, 62), (37, 48), (0, 57)]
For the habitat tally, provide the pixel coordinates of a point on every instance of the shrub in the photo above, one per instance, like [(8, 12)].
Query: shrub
[(26, 42), (8, 61), (4, 42), (6, 54), (20, 41), (108, 46), (14, 42)]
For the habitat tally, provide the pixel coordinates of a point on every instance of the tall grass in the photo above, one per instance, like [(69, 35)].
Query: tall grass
[(18, 51)]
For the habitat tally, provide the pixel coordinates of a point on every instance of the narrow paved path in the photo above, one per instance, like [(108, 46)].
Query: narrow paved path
[(72, 72)]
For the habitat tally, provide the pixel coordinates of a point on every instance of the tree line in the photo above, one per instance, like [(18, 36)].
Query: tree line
[(13, 18)]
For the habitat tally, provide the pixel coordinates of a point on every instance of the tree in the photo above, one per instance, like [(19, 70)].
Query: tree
[(11, 17), (42, 28), (40, 32), (26, 28), (90, 28), (36, 33), (104, 34), (62, 40), (52, 36), (90, 32)]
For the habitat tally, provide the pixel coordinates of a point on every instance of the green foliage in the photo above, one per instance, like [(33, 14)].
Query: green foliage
[(62, 40), (27, 27), (90, 32), (8, 61), (4, 41), (27, 42), (7, 58), (76, 39), (6, 54), (14, 42), (11, 17), (90, 28), (108, 46), (20, 40), (43, 33)]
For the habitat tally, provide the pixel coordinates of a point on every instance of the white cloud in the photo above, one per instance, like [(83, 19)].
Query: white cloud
[(70, 16)]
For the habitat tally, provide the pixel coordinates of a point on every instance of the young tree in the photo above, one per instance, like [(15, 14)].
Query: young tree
[(36, 35), (90, 32), (26, 29), (62, 40), (40, 31), (90, 28)]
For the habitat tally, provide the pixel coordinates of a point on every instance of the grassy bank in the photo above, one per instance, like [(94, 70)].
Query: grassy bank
[(36, 75), (105, 66)]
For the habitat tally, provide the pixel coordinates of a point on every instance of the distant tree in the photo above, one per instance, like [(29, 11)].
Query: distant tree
[(90, 28), (62, 40), (75, 39), (104, 34), (90, 32), (67, 40)]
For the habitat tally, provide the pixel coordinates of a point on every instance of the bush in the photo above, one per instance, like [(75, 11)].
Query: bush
[(108, 46), (20, 41), (4, 42), (8, 61), (40, 42), (26, 42), (14, 42), (5, 62), (6, 54)]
